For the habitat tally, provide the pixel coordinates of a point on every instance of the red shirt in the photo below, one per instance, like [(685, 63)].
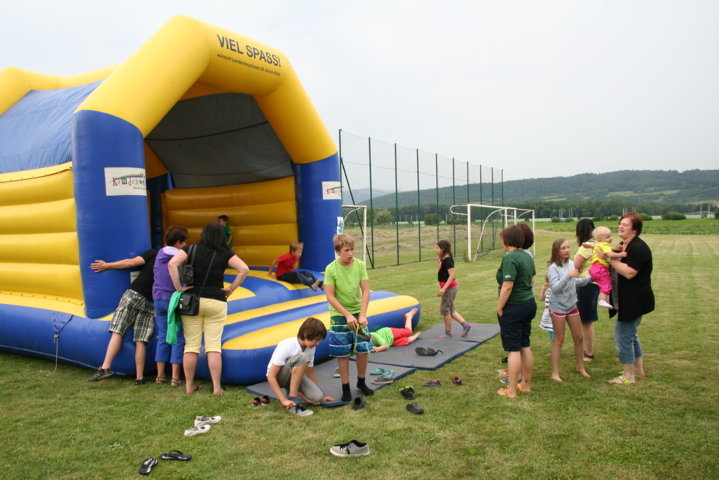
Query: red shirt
[(285, 264)]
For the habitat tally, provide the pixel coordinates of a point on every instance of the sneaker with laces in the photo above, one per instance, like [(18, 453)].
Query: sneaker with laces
[(383, 380), (353, 448), (100, 374), (301, 411), (465, 328)]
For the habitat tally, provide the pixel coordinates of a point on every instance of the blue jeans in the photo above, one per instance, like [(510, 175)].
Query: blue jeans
[(627, 340), (164, 351)]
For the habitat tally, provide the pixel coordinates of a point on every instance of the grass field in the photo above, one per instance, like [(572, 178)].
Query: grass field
[(59, 426)]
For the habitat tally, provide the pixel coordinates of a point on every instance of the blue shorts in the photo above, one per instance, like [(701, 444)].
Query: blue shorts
[(515, 325), (587, 297), (343, 341)]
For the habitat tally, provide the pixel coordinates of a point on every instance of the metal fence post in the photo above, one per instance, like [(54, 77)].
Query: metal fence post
[(396, 203), (419, 222), (371, 203), (436, 190)]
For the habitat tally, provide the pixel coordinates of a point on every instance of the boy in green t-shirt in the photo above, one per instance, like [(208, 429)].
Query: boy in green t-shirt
[(347, 290), (387, 337), (224, 222)]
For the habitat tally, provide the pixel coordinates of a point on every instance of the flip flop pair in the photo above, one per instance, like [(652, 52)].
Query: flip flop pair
[(149, 463)]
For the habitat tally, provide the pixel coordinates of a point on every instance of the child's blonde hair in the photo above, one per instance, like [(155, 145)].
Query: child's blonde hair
[(343, 240), (296, 245), (601, 231)]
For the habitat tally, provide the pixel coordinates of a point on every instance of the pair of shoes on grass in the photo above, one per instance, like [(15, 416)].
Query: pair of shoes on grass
[(264, 400), (353, 448), (202, 425), (149, 463)]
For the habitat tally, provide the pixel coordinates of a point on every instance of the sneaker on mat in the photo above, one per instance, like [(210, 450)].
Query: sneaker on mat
[(100, 374), (300, 411), (465, 328), (200, 420), (353, 448), (383, 380)]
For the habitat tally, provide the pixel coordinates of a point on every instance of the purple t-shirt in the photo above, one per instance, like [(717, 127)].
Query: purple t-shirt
[(162, 288)]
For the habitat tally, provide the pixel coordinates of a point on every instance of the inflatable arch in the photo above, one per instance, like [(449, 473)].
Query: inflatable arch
[(199, 122)]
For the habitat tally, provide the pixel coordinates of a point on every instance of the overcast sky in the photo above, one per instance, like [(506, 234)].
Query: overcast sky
[(538, 89)]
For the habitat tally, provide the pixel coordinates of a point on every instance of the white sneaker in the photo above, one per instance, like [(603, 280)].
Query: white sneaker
[(605, 304), (353, 448), (301, 411), (197, 430), (200, 421)]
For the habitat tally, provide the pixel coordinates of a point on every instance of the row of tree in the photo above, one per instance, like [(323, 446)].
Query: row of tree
[(597, 209)]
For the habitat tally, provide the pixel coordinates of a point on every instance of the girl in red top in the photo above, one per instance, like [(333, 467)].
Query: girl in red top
[(448, 290)]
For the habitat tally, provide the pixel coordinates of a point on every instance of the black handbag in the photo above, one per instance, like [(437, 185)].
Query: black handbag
[(187, 274), (189, 303)]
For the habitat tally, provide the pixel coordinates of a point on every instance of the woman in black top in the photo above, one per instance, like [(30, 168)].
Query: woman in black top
[(210, 258), (634, 297)]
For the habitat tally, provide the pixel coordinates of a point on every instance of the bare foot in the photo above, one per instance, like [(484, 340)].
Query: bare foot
[(411, 313), (584, 373), (557, 378), (189, 388), (505, 393), (524, 388), (219, 392)]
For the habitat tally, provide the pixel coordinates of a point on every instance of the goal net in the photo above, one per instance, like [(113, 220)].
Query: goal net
[(483, 224)]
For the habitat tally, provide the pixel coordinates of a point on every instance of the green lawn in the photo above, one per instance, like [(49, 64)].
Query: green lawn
[(59, 426)]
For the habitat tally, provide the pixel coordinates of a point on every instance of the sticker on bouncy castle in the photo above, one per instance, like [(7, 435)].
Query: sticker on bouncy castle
[(340, 225), (331, 191), (125, 181)]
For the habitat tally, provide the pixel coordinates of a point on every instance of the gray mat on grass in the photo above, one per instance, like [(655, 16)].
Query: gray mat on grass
[(332, 386), (450, 348)]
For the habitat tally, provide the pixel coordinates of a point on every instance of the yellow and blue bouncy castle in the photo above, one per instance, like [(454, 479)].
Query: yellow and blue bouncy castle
[(199, 122)]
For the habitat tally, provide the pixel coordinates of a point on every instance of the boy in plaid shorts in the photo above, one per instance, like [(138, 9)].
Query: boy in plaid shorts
[(347, 291), (136, 309)]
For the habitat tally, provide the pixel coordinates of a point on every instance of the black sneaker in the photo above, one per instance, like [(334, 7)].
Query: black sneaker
[(408, 393), (100, 374)]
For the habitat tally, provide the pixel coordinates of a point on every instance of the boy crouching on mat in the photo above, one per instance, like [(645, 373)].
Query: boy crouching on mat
[(292, 367), (347, 291)]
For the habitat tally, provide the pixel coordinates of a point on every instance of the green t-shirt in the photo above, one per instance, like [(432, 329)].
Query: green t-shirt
[(383, 336), (346, 281), (228, 234), (518, 267)]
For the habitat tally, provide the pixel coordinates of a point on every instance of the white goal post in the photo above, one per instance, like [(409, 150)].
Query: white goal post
[(353, 209), (507, 215)]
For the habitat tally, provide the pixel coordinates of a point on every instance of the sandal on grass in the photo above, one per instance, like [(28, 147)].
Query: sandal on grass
[(160, 380), (620, 380), (176, 382), (147, 465), (175, 455)]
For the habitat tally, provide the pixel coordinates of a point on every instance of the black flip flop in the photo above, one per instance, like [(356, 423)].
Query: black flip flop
[(147, 465), (414, 408), (175, 455)]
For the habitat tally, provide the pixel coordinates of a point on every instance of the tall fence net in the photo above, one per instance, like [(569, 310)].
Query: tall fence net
[(409, 194)]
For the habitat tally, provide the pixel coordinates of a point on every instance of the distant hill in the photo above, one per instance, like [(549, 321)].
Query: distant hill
[(641, 186)]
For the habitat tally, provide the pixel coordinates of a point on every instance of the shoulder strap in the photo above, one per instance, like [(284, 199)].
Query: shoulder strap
[(191, 253), (207, 273)]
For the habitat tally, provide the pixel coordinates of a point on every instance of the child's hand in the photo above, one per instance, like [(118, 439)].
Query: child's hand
[(363, 320), (441, 292), (573, 273), (351, 321), (328, 399), (287, 403), (98, 266)]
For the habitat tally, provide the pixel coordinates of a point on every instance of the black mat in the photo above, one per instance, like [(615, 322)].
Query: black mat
[(332, 386), (451, 347)]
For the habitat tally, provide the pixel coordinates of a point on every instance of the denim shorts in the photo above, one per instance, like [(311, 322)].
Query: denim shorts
[(343, 341), (627, 341), (515, 325)]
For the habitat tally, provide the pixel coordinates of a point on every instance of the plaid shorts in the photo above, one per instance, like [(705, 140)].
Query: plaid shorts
[(136, 310), (343, 341)]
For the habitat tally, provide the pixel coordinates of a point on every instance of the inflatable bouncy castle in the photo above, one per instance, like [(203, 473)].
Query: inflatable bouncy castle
[(199, 122)]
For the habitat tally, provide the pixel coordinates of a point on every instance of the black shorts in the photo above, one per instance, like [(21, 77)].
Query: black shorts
[(515, 325), (587, 297)]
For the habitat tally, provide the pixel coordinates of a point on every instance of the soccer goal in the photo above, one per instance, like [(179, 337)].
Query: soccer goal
[(354, 223), (484, 222)]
